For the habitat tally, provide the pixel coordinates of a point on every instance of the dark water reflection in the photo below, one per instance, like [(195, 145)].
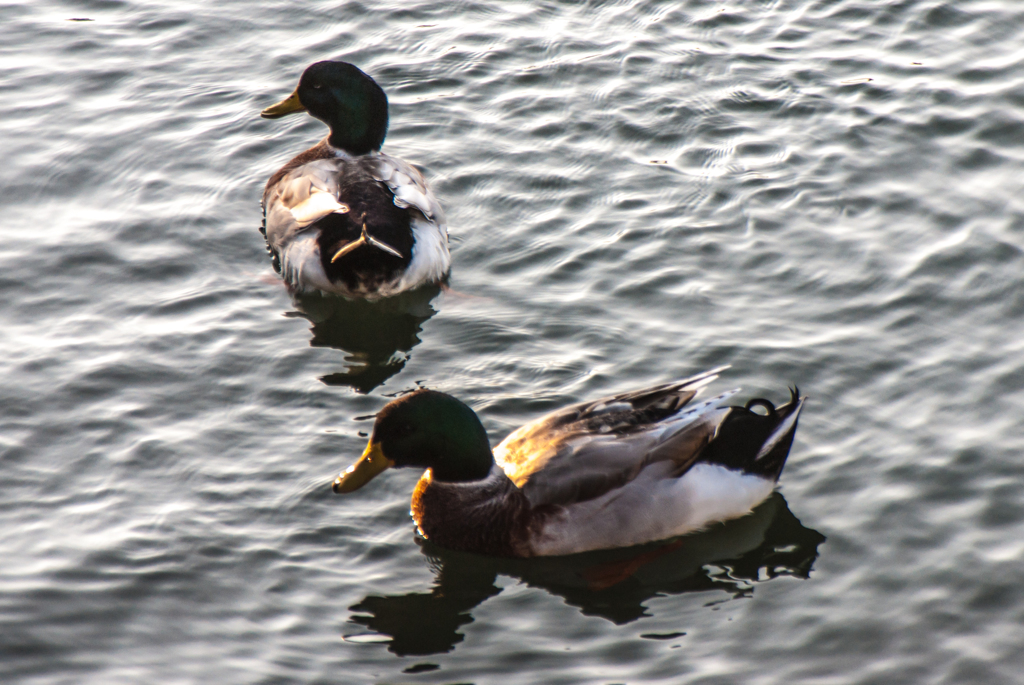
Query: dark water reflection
[(612, 584), (377, 337)]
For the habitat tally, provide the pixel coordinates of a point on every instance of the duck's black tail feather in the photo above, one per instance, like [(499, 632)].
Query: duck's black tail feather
[(753, 442)]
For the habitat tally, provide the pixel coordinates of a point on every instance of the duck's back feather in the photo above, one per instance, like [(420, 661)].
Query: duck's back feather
[(321, 169), (582, 451), (326, 190), (645, 465)]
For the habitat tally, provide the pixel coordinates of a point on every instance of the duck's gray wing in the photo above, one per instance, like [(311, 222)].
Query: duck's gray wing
[(582, 451)]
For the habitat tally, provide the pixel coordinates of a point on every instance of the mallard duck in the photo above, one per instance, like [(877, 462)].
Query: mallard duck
[(343, 217), (618, 471)]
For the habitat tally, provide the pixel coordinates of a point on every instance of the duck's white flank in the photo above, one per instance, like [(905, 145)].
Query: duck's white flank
[(653, 506)]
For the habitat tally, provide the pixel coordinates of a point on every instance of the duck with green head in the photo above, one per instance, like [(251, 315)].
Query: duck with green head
[(618, 471), (343, 217)]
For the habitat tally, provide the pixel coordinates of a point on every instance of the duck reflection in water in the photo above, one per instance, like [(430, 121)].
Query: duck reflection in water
[(376, 336), (612, 584)]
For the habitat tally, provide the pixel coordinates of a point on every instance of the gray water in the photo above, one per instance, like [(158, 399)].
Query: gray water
[(820, 192)]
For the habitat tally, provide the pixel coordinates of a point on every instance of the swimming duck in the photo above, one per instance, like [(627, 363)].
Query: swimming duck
[(618, 471), (343, 217)]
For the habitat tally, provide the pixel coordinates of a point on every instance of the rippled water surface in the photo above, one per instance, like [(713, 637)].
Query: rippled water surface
[(820, 192)]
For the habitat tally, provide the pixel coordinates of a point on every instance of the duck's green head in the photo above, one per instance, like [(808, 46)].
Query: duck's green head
[(425, 429), (344, 98)]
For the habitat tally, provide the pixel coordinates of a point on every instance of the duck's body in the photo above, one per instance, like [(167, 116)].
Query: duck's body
[(343, 217), (618, 471)]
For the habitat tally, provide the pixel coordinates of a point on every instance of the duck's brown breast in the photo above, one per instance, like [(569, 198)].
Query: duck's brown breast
[(489, 517)]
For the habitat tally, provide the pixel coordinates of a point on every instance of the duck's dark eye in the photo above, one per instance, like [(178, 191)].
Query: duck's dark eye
[(316, 86)]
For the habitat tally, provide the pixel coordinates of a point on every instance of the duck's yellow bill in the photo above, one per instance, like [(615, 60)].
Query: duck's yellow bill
[(363, 471), (289, 105)]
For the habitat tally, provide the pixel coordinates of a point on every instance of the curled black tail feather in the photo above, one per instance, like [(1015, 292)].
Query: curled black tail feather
[(756, 443)]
